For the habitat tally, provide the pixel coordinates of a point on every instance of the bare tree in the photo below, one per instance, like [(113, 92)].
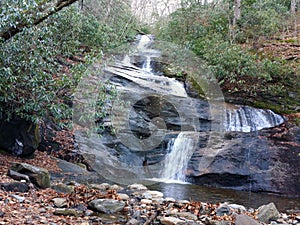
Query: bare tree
[(237, 11), (293, 6)]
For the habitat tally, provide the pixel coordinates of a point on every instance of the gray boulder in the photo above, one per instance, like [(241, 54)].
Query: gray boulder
[(15, 187), (266, 213), (245, 220), (38, 176), (107, 206)]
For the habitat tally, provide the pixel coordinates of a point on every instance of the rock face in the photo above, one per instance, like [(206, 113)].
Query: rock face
[(264, 161), (19, 137), (38, 176)]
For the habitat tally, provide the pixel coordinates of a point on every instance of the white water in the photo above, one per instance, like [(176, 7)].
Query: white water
[(179, 151), (247, 119)]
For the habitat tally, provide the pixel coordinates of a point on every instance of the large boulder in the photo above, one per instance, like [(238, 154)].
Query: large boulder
[(38, 176), (107, 206), (262, 161), (19, 137)]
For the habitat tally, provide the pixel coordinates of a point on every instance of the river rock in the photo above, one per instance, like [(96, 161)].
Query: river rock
[(107, 206), (245, 220), (123, 197), (17, 176), (153, 194), (146, 201), (137, 187), (17, 197), (267, 213), (171, 221), (15, 187), (68, 212), (63, 188), (19, 137), (101, 187), (222, 210), (186, 215), (133, 221), (38, 176), (60, 202), (237, 208)]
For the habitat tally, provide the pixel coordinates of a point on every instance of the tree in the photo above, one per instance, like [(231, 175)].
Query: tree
[(33, 16), (293, 6), (237, 11)]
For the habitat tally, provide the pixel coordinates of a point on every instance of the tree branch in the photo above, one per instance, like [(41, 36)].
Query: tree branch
[(12, 31)]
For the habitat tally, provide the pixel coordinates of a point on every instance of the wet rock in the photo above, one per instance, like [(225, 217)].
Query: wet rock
[(15, 187), (267, 213), (60, 202), (19, 137), (171, 221), (222, 210), (38, 176), (245, 220), (107, 206), (137, 187)]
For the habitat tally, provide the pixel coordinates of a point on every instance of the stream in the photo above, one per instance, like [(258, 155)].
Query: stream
[(157, 134)]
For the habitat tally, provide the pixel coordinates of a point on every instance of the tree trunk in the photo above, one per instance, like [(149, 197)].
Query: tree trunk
[(237, 12), (293, 6), (9, 32)]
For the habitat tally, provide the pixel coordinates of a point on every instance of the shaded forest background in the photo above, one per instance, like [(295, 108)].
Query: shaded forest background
[(251, 46)]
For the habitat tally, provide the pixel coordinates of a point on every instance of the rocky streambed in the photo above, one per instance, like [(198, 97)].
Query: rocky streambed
[(28, 200)]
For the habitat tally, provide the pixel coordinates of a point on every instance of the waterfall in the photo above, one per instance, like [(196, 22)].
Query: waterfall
[(147, 64), (247, 119), (180, 150), (144, 42)]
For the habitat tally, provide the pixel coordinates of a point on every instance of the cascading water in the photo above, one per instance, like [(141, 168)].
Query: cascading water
[(147, 65), (247, 119), (179, 153)]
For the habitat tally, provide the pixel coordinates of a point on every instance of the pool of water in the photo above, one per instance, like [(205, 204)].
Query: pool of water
[(214, 195)]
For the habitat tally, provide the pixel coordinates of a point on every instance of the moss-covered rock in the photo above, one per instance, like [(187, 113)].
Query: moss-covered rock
[(38, 176)]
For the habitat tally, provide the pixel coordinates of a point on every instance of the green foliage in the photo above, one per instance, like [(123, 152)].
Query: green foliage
[(261, 19), (207, 30), (37, 78)]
